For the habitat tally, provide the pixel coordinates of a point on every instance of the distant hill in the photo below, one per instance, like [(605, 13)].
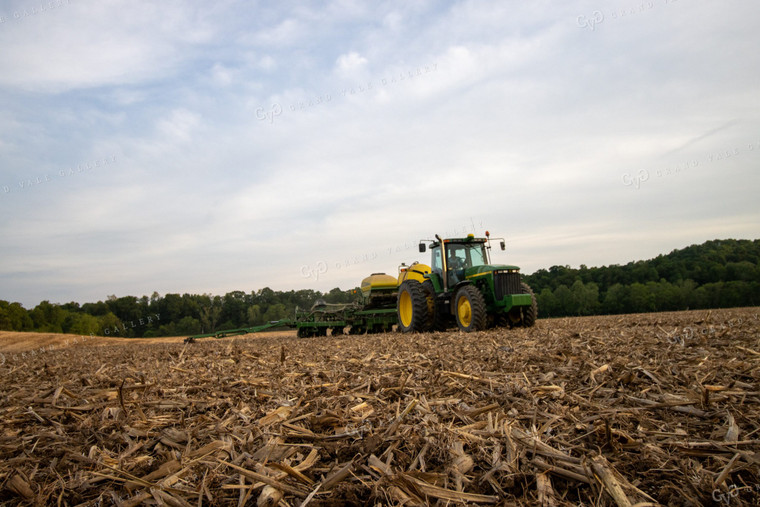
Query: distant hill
[(715, 274)]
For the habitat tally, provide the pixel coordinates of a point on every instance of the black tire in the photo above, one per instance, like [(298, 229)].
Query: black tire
[(412, 308), (437, 318), (500, 320), (470, 309), (356, 330), (530, 313), (336, 331)]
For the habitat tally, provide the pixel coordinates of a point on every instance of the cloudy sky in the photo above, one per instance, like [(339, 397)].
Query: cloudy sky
[(204, 147)]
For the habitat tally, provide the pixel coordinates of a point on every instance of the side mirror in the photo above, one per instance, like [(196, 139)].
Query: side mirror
[(422, 247), (503, 246)]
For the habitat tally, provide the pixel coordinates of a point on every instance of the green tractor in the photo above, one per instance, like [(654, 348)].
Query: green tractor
[(462, 286)]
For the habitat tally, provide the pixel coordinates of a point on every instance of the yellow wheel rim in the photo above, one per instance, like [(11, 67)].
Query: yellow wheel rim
[(464, 311), (405, 309)]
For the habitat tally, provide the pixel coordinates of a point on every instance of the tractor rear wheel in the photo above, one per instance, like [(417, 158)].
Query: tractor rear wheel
[(470, 309), (412, 308), (436, 317), (529, 313)]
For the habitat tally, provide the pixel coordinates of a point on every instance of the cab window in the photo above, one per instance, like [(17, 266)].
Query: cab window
[(436, 267)]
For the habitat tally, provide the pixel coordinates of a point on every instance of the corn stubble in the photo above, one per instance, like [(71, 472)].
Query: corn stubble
[(614, 410)]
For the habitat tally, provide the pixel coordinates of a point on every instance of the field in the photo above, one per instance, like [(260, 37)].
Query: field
[(618, 410)]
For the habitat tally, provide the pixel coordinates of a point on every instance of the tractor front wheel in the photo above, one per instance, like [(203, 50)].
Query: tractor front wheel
[(530, 313), (412, 308), (470, 309)]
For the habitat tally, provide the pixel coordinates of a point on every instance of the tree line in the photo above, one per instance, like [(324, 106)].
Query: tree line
[(168, 315), (715, 274)]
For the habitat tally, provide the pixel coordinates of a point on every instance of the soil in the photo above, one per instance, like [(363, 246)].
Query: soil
[(615, 410)]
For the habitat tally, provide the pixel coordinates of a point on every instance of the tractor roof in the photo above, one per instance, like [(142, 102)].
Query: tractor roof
[(469, 239)]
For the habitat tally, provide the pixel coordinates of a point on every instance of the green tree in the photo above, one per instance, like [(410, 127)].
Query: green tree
[(562, 275), (81, 324), (276, 312), (743, 270), (585, 297), (255, 318), (686, 290), (337, 295), (264, 298), (110, 325), (48, 318), (566, 304), (14, 317), (188, 326), (5, 321), (234, 308), (643, 271), (171, 308), (72, 307), (126, 308), (191, 306), (548, 304), (98, 309), (616, 299), (169, 329), (667, 297), (641, 299), (210, 310)]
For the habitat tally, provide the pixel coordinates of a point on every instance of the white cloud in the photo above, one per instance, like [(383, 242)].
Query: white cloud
[(282, 35), (349, 63), (179, 126), (221, 74), (267, 63), (83, 46)]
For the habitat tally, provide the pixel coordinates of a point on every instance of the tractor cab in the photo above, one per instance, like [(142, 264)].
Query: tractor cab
[(456, 259), (460, 255)]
